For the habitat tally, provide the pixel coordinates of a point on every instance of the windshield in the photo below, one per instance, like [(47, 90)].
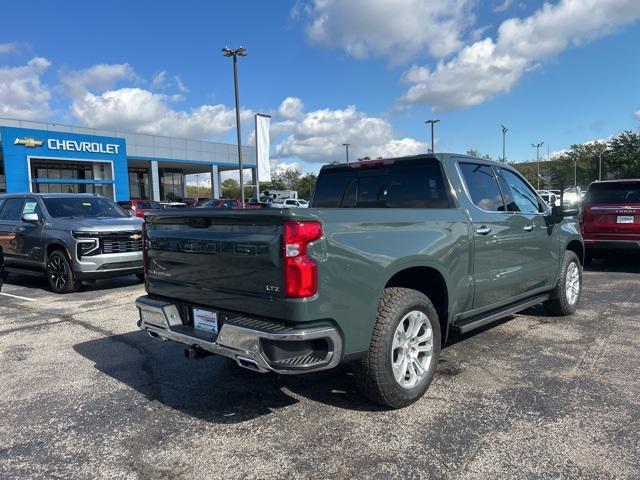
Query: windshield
[(82, 207), (614, 193)]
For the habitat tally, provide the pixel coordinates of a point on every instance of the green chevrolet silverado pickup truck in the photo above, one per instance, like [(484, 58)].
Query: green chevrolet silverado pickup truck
[(392, 257)]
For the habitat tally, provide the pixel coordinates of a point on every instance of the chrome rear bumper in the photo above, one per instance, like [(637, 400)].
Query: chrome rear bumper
[(243, 339)]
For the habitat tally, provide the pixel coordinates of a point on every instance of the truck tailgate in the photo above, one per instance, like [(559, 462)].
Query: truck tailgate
[(225, 260)]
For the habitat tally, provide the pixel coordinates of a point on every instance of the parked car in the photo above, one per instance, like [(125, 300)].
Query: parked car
[(290, 203), (68, 238), (392, 257), (139, 207), (610, 217), (572, 197), (195, 201), (550, 198), (230, 204), (167, 205)]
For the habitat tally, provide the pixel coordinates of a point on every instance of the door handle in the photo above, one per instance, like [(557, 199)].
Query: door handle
[(483, 230), (528, 228)]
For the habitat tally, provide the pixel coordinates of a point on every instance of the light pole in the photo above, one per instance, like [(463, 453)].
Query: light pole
[(346, 146), (432, 122), (234, 53), (604, 147), (504, 143), (537, 147)]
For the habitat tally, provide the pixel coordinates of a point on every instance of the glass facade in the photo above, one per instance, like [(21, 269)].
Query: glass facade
[(139, 183), (3, 181), (171, 185), (57, 176)]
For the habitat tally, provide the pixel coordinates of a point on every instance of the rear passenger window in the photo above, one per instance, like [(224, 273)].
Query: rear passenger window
[(12, 209), (483, 187)]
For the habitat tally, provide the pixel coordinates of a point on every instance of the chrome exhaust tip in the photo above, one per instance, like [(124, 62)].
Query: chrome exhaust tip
[(248, 363)]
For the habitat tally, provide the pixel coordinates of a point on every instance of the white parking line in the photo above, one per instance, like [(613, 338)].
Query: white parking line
[(18, 297)]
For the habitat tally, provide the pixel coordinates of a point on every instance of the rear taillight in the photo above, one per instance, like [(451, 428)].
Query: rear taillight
[(300, 271), (145, 248)]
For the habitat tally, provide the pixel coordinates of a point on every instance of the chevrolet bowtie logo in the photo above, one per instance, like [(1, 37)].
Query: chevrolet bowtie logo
[(135, 236), (28, 142)]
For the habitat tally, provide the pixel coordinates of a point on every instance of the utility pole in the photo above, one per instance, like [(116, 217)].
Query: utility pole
[(346, 146), (234, 53), (504, 143), (537, 147), (432, 122)]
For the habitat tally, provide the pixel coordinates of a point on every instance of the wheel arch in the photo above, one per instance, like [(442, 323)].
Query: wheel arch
[(56, 245), (431, 282), (577, 247)]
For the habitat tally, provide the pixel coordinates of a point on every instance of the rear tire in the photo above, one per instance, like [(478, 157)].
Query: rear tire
[(566, 296), (60, 274), (140, 277), (398, 368)]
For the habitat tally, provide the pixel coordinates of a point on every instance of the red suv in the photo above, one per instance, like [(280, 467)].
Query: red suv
[(610, 217), (139, 207)]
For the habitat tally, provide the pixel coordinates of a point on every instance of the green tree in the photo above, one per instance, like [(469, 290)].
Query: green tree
[(230, 188), (305, 185), (623, 156)]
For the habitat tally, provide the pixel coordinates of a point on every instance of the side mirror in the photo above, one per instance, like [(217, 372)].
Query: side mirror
[(30, 217), (558, 213)]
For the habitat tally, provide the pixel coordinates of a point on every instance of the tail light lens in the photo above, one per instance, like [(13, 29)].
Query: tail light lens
[(145, 248), (300, 271)]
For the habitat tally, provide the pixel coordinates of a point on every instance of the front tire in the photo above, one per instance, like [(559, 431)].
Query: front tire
[(405, 346), (60, 274), (565, 297)]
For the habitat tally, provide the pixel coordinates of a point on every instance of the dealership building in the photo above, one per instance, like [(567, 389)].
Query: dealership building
[(49, 157)]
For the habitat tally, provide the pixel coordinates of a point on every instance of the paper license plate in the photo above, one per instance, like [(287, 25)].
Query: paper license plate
[(205, 320), (625, 218)]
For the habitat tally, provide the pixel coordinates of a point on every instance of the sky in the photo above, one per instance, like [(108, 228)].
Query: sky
[(364, 72)]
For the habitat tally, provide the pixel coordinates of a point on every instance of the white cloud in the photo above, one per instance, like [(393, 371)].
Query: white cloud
[(139, 110), (159, 82), (11, 47), (291, 108), (503, 6), (318, 136), (99, 77), (489, 67), (96, 103), (22, 93), (637, 114), (397, 29)]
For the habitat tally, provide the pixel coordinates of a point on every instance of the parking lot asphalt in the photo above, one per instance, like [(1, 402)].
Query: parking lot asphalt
[(85, 394)]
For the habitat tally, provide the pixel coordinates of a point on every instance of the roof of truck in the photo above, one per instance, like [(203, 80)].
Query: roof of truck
[(442, 157)]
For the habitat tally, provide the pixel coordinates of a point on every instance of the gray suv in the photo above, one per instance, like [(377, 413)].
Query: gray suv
[(68, 238)]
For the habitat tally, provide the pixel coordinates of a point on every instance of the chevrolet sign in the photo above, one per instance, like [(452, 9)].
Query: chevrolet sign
[(75, 146), (28, 142)]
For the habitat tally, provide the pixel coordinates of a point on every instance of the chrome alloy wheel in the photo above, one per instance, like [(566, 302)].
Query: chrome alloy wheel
[(58, 272), (572, 283), (412, 349)]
